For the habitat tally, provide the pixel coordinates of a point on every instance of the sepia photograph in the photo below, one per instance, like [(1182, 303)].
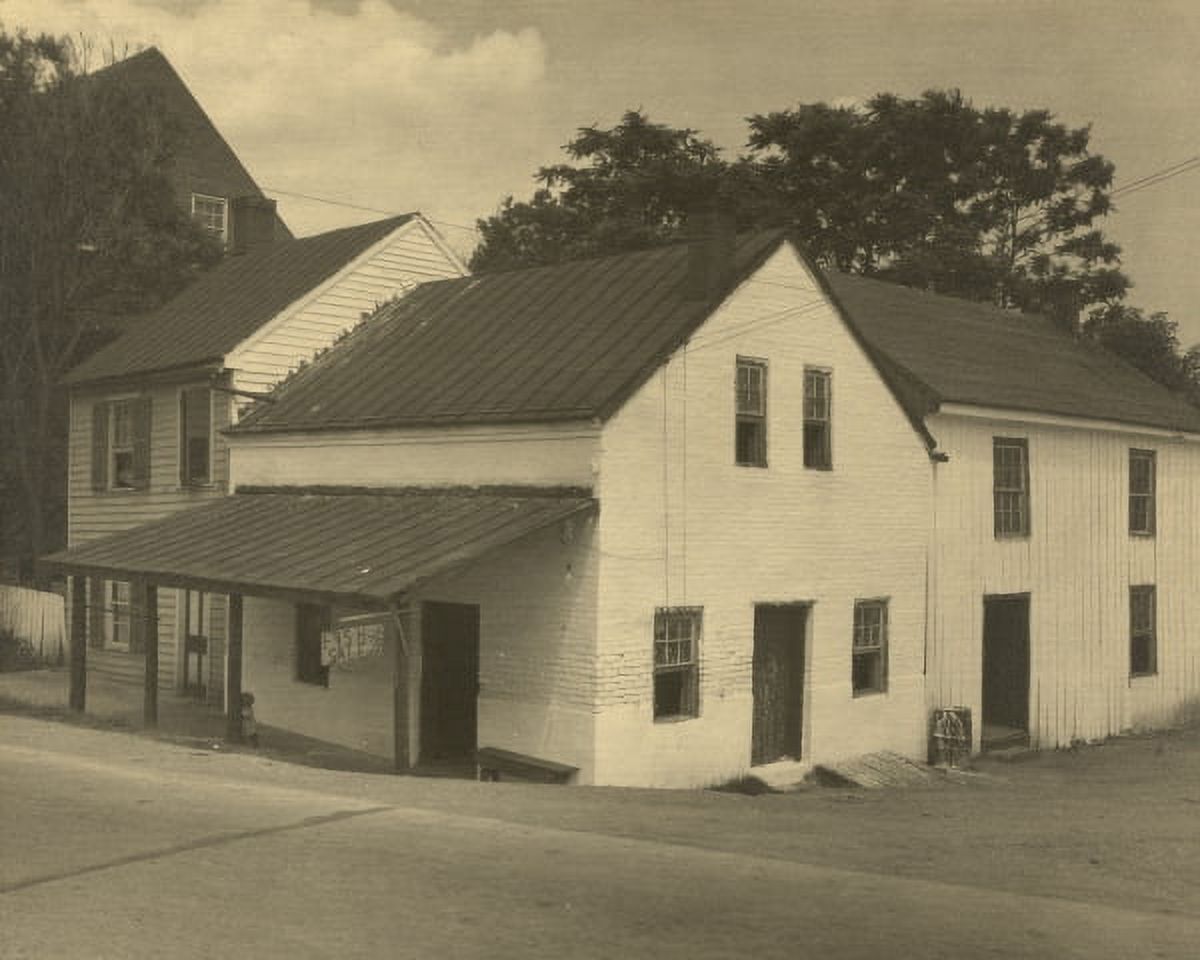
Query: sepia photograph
[(599, 479)]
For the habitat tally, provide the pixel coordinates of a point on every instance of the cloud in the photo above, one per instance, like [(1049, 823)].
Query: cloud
[(369, 104)]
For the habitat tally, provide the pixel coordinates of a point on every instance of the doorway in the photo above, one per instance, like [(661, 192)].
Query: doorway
[(195, 643), (1005, 707), (778, 681), (449, 680)]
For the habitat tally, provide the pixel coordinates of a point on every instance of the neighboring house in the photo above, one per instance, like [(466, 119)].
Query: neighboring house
[(666, 516), (147, 411), (207, 175)]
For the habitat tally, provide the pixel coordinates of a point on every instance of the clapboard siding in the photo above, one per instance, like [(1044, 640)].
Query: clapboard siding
[(409, 257), (1077, 565)]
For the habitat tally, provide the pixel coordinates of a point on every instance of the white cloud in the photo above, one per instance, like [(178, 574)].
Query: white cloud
[(376, 107)]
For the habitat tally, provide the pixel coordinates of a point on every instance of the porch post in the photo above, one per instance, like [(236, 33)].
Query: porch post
[(233, 667), (400, 682), (149, 594), (79, 624)]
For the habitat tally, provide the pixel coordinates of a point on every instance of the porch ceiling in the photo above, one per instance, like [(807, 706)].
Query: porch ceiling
[(367, 548)]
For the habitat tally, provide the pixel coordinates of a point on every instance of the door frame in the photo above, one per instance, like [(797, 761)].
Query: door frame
[(424, 721), (1027, 598), (803, 662)]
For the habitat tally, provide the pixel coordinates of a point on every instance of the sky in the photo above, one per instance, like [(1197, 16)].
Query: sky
[(448, 106)]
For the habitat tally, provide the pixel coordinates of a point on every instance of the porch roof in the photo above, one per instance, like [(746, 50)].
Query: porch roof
[(322, 544)]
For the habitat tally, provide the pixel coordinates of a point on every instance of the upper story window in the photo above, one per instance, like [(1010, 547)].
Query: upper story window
[(869, 665), (212, 213), (818, 419), (1010, 486), (751, 442), (121, 444), (1143, 642), (1141, 492), (676, 662), (195, 436)]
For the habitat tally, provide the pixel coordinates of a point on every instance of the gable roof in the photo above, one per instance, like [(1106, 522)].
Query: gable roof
[(573, 341), (565, 342), (956, 351), (202, 162), (226, 305)]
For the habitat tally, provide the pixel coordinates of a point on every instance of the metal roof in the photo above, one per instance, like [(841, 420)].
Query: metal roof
[(230, 302), (357, 547), (958, 351), (565, 342)]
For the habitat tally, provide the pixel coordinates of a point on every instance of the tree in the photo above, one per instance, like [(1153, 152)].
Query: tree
[(89, 233), (1150, 343), (630, 188)]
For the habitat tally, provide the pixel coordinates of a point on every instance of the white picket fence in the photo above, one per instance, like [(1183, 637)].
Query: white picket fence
[(37, 617)]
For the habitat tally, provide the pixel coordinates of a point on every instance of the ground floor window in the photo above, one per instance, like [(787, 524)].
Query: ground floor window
[(1143, 644), (869, 670), (120, 622), (676, 662), (311, 621)]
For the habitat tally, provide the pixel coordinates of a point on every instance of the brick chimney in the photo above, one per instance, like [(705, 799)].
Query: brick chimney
[(252, 223), (711, 232)]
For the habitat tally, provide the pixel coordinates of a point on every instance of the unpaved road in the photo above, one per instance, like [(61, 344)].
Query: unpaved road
[(115, 846)]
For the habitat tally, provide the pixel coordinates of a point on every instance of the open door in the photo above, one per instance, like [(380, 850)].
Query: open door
[(1005, 720), (778, 681), (449, 680)]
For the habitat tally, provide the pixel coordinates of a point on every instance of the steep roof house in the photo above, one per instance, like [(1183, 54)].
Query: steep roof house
[(147, 411), (664, 517)]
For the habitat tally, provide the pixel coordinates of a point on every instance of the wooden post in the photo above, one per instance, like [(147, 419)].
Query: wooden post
[(79, 631), (149, 595), (233, 667), (400, 681)]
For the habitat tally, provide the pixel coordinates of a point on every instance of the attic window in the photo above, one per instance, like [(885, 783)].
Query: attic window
[(1010, 486), (751, 440), (212, 214), (818, 419)]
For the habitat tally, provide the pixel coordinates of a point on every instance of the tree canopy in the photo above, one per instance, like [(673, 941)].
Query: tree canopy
[(90, 233)]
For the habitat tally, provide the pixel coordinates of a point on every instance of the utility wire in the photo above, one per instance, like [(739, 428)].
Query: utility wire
[(356, 206)]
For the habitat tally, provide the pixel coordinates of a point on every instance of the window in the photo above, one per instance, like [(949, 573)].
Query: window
[(676, 670), (211, 214), (818, 422), (1141, 492), (1143, 653), (121, 444), (195, 435), (751, 443), (119, 614), (869, 668), (311, 621), (1010, 486)]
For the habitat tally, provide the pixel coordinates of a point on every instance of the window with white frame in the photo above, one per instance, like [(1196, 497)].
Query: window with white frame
[(195, 436), (676, 662), (1010, 486), (120, 620), (212, 214), (1141, 492), (869, 655), (751, 440), (120, 448), (818, 419), (1143, 640)]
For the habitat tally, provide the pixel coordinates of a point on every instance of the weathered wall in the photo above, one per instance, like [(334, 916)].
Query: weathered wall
[(1077, 564), (681, 524)]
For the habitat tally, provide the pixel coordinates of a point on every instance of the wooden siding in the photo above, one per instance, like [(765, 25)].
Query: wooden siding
[(681, 524), (410, 256), (1077, 565)]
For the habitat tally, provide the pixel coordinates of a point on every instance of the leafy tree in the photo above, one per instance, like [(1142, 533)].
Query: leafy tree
[(89, 232), (1151, 343), (629, 188)]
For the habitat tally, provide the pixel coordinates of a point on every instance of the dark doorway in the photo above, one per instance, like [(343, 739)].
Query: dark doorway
[(195, 643), (449, 680), (778, 681), (1005, 719)]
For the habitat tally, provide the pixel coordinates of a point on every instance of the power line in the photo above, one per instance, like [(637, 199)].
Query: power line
[(356, 206), (1161, 176)]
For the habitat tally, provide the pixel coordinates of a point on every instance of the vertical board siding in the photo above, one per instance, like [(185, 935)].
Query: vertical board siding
[(681, 524), (37, 618), (1077, 566), (410, 258)]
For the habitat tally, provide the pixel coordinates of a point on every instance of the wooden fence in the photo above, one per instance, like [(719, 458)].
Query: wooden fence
[(37, 618)]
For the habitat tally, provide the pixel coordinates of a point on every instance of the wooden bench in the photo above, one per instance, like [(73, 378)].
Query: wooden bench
[(491, 762)]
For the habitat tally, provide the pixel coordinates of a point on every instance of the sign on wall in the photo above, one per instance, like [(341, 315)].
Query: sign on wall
[(353, 639)]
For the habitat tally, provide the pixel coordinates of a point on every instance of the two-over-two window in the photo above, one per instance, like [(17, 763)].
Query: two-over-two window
[(1141, 492), (750, 445), (676, 662), (1010, 487), (1143, 640), (121, 444)]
